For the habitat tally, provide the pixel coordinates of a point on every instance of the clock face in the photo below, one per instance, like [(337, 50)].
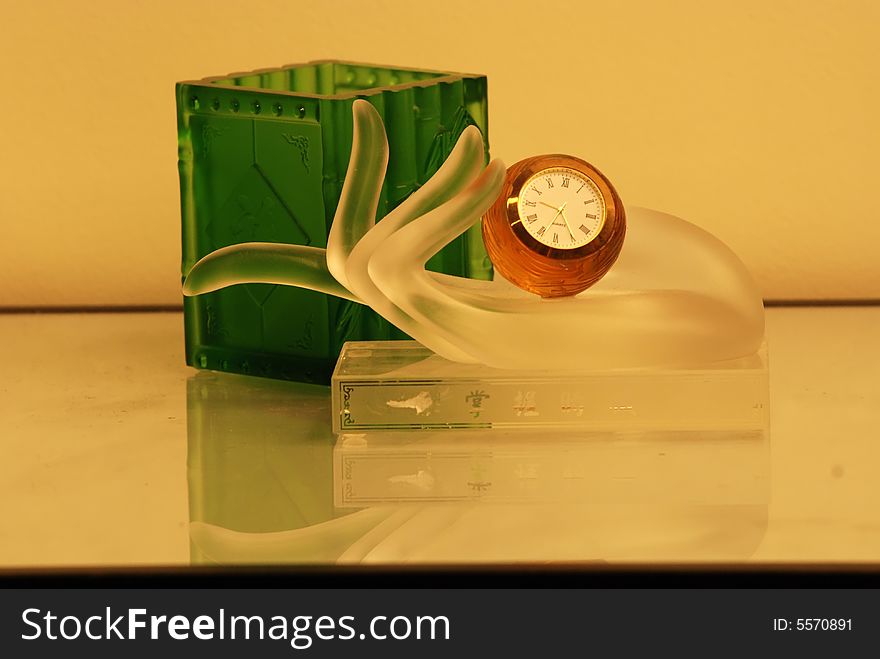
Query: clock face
[(561, 208)]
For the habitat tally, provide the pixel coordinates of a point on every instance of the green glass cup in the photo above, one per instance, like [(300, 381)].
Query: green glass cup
[(262, 158)]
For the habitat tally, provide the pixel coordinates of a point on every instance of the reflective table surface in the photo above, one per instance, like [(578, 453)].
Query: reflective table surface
[(114, 453)]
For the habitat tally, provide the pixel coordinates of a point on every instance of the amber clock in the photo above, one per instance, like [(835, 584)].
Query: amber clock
[(557, 227)]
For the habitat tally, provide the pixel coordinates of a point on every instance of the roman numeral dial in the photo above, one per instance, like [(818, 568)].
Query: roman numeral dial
[(561, 208)]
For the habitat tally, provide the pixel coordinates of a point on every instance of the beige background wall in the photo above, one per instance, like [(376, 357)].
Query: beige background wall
[(758, 120)]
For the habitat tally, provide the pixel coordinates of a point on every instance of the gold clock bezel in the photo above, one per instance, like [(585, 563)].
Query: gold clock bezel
[(530, 264)]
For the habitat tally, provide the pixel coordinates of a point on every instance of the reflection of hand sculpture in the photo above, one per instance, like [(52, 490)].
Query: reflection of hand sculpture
[(676, 295), (475, 533)]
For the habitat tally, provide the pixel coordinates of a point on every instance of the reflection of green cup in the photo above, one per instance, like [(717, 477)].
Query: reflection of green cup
[(260, 454), (263, 157)]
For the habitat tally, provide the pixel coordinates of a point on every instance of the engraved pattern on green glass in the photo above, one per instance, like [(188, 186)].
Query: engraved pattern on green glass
[(263, 157)]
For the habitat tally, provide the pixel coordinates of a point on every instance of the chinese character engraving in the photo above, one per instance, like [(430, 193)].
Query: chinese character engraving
[(475, 402), (571, 406), (524, 404), (478, 484)]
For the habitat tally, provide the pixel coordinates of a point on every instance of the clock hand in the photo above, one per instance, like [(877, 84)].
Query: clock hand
[(558, 211), (565, 219)]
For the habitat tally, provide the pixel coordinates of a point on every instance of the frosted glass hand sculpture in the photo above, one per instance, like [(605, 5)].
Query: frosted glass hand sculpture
[(676, 296)]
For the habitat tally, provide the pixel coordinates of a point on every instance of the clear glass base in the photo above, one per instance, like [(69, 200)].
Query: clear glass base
[(401, 385)]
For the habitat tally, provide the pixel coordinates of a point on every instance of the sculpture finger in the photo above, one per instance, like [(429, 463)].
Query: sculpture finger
[(463, 165), (411, 246), (264, 263), (356, 211), (397, 265), (459, 170)]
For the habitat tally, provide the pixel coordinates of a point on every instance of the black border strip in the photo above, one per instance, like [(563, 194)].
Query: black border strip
[(589, 575)]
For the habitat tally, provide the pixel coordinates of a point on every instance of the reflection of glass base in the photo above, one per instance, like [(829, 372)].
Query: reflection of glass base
[(401, 385), (660, 468)]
